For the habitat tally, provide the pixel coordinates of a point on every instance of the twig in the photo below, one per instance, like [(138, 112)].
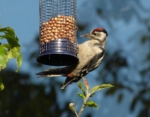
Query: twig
[(83, 105), (86, 94), (76, 113)]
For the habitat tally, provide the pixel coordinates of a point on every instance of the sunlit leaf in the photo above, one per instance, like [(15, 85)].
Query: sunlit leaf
[(92, 104), (80, 85), (100, 87), (19, 60), (3, 57), (12, 49), (15, 53), (81, 88), (81, 95)]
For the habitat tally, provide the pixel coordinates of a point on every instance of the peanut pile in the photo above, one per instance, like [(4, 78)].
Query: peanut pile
[(58, 28)]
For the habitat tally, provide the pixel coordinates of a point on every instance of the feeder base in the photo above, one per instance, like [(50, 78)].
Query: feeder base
[(57, 59), (60, 52)]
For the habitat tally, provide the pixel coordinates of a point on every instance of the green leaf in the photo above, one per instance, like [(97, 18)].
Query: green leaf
[(13, 47), (8, 31), (15, 53), (1, 84), (12, 41), (12, 53), (80, 85), (81, 95), (19, 60), (3, 57), (100, 87), (91, 104), (10, 50), (10, 36), (7, 46), (81, 88)]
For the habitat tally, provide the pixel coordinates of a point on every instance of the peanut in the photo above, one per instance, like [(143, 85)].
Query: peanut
[(57, 28)]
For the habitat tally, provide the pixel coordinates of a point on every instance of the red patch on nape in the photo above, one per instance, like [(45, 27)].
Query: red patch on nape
[(98, 29)]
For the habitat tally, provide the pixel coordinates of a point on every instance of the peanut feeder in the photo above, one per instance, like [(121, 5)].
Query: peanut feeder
[(58, 45)]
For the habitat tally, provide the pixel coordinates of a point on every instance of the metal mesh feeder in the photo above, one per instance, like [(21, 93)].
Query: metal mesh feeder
[(58, 45)]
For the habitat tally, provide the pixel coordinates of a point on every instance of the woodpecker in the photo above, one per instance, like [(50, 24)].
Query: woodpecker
[(90, 54)]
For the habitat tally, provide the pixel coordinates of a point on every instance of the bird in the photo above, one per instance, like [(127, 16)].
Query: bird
[(90, 54)]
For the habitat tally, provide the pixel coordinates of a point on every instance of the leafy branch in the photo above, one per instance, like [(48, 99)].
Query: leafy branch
[(10, 50), (87, 92)]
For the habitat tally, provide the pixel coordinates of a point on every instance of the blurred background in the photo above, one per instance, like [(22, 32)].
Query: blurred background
[(126, 63)]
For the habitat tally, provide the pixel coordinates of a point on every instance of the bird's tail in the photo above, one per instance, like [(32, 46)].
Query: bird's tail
[(54, 72), (67, 82)]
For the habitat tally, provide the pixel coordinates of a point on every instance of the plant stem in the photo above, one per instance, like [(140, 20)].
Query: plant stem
[(76, 113), (83, 105), (81, 110)]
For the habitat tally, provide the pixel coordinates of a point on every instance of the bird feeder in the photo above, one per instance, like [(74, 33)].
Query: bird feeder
[(58, 44)]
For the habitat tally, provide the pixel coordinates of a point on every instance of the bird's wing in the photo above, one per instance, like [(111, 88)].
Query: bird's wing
[(95, 62)]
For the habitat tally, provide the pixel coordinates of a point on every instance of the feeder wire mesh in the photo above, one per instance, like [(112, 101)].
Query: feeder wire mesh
[(57, 32)]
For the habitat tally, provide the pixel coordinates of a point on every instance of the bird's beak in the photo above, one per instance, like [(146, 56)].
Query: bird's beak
[(86, 35)]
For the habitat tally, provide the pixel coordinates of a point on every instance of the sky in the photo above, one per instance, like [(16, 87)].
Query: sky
[(23, 17)]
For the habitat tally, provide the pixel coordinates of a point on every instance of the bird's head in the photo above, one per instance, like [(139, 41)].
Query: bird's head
[(99, 34)]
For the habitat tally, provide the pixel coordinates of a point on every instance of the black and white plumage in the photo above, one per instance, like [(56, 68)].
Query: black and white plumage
[(90, 55)]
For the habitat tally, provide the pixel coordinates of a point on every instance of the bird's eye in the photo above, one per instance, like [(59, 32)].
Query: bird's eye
[(94, 33)]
